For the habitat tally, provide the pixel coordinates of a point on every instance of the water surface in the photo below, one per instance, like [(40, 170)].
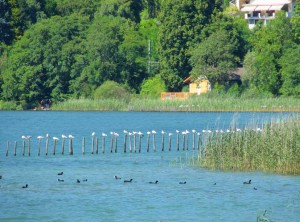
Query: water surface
[(206, 196)]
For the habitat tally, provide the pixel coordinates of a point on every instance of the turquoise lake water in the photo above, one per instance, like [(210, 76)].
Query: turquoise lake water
[(206, 195)]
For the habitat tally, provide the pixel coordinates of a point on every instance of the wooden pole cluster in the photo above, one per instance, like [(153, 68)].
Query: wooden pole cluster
[(135, 142)]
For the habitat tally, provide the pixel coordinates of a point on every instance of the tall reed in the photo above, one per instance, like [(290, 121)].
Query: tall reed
[(193, 104), (275, 148)]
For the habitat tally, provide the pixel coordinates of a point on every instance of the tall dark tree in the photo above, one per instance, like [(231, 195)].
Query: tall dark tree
[(181, 24)]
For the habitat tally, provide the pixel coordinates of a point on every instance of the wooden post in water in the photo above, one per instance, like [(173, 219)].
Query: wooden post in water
[(162, 140), (63, 144), (130, 142), (71, 137), (193, 131), (93, 142), (148, 140), (198, 140), (7, 148), (97, 145), (170, 140), (23, 145), (134, 141), (153, 137), (47, 143), (39, 144), (125, 140), (177, 139), (28, 140), (183, 140), (116, 135), (15, 149), (54, 146), (140, 140), (103, 142), (111, 141), (187, 139), (83, 145)]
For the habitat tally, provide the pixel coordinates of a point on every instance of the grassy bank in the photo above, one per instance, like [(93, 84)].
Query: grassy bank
[(194, 104), (275, 148)]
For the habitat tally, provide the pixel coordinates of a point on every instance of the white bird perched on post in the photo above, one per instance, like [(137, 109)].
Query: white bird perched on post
[(54, 146), (63, 143), (93, 133), (125, 131), (103, 134), (39, 146), (71, 144), (153, 132)]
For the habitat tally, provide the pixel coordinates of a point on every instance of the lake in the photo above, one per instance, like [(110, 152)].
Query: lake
[(205, 196)]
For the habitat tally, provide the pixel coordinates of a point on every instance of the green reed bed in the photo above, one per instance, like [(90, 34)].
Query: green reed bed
[(193, 104), (92, 105), (275, 148)]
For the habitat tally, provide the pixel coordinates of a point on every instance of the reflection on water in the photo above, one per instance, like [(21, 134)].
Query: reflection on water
[(206, 196)]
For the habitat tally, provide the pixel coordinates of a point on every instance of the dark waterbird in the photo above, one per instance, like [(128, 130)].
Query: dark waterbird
[(128, 181), (254, 188), (26, 186), (60, 180), (117, 178), (153, 182), (84, 180), (61, 173), (78, 181), (247, 182), (182, 182), (0, 177)]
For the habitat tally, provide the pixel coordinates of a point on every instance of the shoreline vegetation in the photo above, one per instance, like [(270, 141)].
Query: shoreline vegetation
[(273, 148), (202, 104)]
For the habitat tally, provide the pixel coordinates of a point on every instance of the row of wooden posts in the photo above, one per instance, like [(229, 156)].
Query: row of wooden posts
[(133, 146)]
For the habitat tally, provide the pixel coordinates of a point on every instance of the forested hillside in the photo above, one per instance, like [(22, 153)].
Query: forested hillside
[(62, 49)]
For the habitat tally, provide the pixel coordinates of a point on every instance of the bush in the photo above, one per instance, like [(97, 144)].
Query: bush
[(153, 86), (11, 105), (111, 90)]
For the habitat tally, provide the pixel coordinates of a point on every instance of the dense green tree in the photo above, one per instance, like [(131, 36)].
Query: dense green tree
[(153, 86), (6, 32), (290, 71), (215, 58), (37, 65), (268, 44), (129, 9), (250, 76), (295, 21), (181, 25)]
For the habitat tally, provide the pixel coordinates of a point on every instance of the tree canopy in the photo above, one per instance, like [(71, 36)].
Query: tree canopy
[(62, 49)]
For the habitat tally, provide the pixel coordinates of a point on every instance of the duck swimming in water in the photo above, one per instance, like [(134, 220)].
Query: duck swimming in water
[(182, 182), (128, 181), (78, 181), (61, 173), (247, 182), (117, 178), (26, 186), (153, 182), (60, 180), (84, 180)]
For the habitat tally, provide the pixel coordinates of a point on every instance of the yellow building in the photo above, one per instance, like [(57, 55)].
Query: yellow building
[(199, 86)]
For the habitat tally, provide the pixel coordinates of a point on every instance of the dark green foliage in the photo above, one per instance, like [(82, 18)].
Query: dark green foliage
[(290, 72), (63, 49), (181, 24), (215, 58)]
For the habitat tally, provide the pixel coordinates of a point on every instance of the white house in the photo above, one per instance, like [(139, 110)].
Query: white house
[(264, 10)]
